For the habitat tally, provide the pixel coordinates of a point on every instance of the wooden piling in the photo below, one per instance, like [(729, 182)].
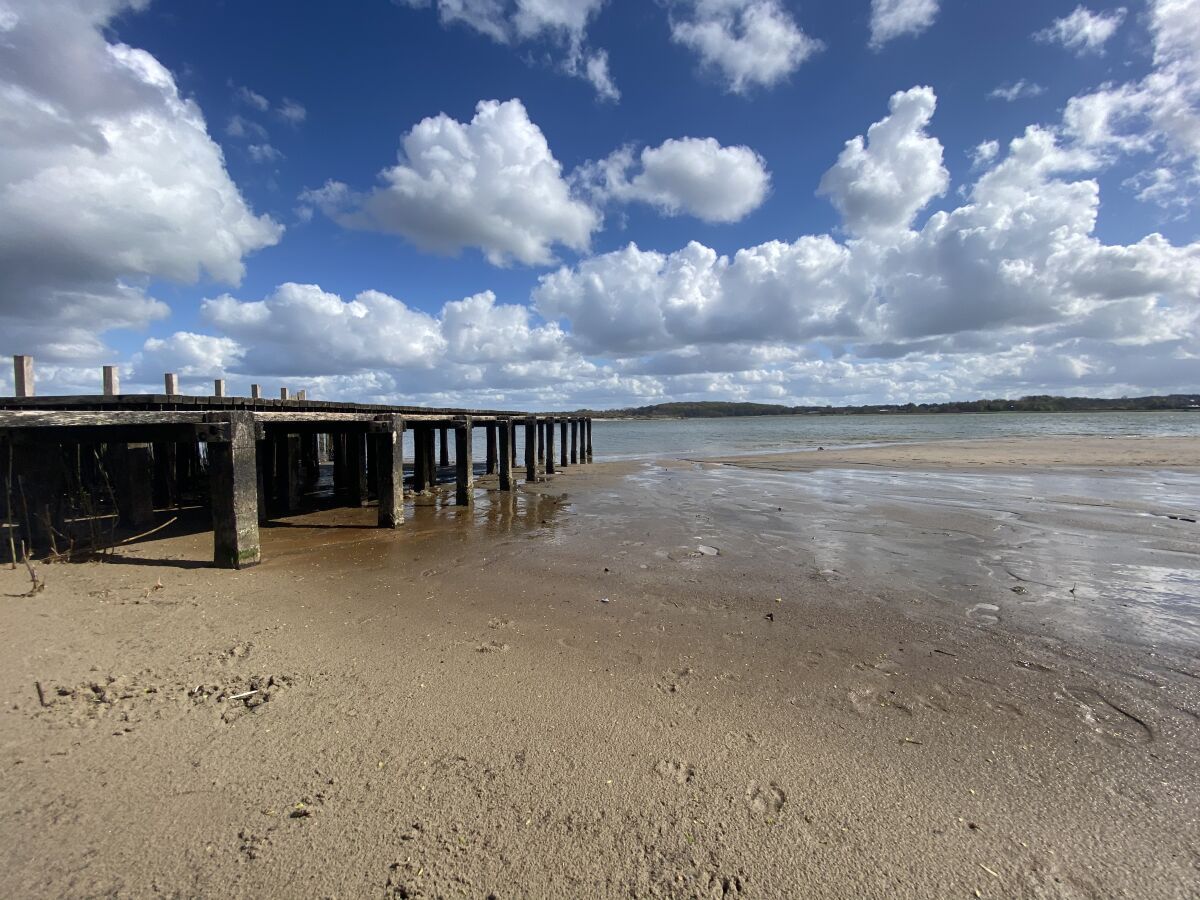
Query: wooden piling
[(506, 455), (171, 384), (218, 387), (23, 376), (444, 438), (264, 478), (589, 440), (549, 445), (574, 442), (541, 441), (564, 451), (166, 478), (287, 472), (283, 393), (356, 469), (233, 486), (256, 391), (464, 470), (531, 430), (111, 381), (490, 437), (389, 467)]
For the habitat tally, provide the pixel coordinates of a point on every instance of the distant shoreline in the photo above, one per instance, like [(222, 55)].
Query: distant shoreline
[(723, 410)]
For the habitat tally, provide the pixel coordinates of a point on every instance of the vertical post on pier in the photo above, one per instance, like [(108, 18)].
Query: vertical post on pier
[(287, 471), (337, 450), (256, 391), (171, 384), (356, 469), (389, 469), (589, 440), (112, 381), (531, 430), (218, 387), (372, 465), (444, 438), (506, 454), (563, 450), (23, 376), (549, 445), (464, 470), (166, 482), (283, 393), (541, 441), (420, 466), (512, 443), (264, 465), (234, 492), (490, 436), (310, 459), (574, 442), (135, 484), (302, 394)]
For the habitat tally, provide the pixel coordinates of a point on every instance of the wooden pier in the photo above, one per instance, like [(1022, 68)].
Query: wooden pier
[(68, 462)]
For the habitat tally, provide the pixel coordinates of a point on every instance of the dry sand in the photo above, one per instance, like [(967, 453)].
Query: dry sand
[(453, 710)]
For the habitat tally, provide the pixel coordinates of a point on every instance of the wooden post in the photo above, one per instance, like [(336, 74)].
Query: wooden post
[(431, 475), (489, 431), (420, 469), (589, 440), (310, 460), (512, 428), (112, 381), (134, 483), (234, 492), (256, 391), (264, 477), (464, 471), (531, 429), (506, 455), (283, 393), (563, 450), (389, 466), (287, 471), (549, 445), (356, 469), (171, 384), (541, 441), (302, 394), (166, 482), (574, 442), (444, 455), (218, 387), (23, 376), (337, 440)]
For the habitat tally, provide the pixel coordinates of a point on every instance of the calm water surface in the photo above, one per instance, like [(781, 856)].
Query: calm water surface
[(694, 438)]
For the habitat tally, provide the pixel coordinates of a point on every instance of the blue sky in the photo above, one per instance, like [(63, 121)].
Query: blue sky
[(293, 98)]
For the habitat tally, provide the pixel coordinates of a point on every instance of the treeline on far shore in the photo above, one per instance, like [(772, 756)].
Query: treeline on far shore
[(1037, 403)]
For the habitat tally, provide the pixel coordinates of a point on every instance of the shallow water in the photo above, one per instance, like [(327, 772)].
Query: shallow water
[(693, 438)]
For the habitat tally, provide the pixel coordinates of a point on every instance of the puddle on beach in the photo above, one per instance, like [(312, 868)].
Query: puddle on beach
[(1085, 554)]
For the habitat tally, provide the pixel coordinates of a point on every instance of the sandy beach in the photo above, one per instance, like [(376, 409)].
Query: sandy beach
[(641, 679)]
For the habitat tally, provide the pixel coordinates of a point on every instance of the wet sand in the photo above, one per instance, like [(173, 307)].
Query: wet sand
[(1037, 452), (847, 698)]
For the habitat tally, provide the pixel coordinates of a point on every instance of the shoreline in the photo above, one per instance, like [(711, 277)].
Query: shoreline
[(454, 710)]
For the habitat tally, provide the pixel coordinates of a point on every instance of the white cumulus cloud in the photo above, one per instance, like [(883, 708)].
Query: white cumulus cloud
[(880, 183), (491, 183), (750, 43), (696, 176), (108, 178), (1082, 30), (891, 19)]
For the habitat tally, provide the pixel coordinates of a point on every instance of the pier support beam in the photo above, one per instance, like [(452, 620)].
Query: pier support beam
[(531, 430), (233, 487), (356, 469), (166, 481), (264, 478), (490, 437), (574, 442), (287, 471), (550, 445), (389, 466), (431, 469), (589, 440), (506, 454), (541, 441), (564, 451), (464, 471), (23, 376), (310, 460), (444, 457)]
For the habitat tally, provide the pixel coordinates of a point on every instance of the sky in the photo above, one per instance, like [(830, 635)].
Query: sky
[(554, 204)]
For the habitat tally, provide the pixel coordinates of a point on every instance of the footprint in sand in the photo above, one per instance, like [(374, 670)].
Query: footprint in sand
[(674, 680), (492, 647), (499, 622), (984, 614), (675, 770), (1113, 723), (765, 799)]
